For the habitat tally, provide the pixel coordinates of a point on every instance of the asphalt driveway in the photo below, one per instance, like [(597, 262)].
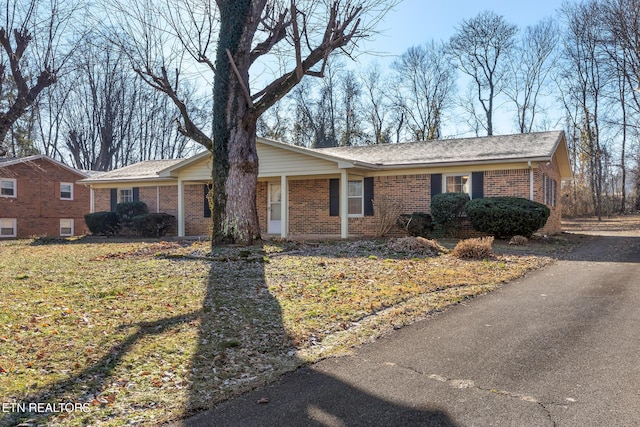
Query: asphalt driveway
[(558, 347)]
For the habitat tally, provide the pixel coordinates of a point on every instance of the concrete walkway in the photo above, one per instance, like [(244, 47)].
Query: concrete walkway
[(559, 347)]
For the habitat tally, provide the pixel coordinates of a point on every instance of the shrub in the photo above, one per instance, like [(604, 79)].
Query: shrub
[(153, 224), (507, 216), (103, 223), (416, 224), (127, 210), (386, 211), (446, 210), (477, 248)]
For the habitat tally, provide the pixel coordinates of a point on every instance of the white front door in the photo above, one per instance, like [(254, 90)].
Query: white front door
[(275, 209)]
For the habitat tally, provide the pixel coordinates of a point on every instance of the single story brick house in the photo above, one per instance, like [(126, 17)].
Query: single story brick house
[(328, 192), (39, 196)]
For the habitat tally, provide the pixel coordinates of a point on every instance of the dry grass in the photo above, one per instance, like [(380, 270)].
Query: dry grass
[(146, 332), (477, 248)]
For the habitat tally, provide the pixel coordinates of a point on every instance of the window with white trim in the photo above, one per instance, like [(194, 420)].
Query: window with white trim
[(355, 198), (66, 227), (125, 195), (458, 183), (66, 191), (8, 187), (8, 227)]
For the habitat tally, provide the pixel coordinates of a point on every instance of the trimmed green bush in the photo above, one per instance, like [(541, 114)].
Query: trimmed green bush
[(416, 224), (153, 224), (103, 223), (446, 210), (506, 217), (127, 210)]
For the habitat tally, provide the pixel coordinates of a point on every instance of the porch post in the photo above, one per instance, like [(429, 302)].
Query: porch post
[(180, 208), (344, 206), (284, 206)]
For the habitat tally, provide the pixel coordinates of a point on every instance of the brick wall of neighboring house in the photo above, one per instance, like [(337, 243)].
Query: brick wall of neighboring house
[(38, 207)]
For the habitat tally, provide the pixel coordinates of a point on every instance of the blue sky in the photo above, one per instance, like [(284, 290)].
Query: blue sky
[(415, 22)]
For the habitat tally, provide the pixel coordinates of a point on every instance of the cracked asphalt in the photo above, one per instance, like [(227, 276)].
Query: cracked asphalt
[(558, 347)]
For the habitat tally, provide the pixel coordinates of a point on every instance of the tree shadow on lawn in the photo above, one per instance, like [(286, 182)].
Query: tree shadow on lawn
[(242, 344)]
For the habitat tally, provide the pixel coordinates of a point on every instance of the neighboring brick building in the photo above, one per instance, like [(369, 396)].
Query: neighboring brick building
[(40, 196), (329, 192)]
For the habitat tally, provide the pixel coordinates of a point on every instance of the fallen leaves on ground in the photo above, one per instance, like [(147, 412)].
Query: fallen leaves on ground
[(144, 332)]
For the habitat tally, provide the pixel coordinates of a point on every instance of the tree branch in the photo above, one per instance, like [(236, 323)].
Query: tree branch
[(189, 128), (245, 90)]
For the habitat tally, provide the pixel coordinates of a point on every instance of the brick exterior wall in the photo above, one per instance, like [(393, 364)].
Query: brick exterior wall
[(309, 201), (309, 209), (38, 207)]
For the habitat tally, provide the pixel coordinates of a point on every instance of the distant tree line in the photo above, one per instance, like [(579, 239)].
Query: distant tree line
[(95, 88)]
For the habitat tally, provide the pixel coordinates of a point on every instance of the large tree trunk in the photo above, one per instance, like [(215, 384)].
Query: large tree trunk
[(235, 164)]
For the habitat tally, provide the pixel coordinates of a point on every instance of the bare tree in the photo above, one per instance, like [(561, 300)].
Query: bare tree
[(531, 66), (622, 22), (425, 80), (481, 46), (35, 44), (377, 104), (584, 78)]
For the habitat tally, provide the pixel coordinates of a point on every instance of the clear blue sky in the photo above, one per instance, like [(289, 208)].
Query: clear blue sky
[(415, 22)]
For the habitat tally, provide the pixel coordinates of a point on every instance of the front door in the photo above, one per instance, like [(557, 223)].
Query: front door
[(275, 209)]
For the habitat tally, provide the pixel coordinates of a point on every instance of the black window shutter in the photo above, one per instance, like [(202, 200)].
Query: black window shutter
[(477, 185), (436, 184), (207, 208), (114, 199), (334, 197), (368, 197), (136, 194)]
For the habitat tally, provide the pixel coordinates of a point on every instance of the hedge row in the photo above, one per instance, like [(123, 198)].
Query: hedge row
[(133, 215)]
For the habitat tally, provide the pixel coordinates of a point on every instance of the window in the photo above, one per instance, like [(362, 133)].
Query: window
[(7, 227), (549, 188), (457, 184), (8, 187), (66, 191), (355, 198), (66, 227), (125, 195)]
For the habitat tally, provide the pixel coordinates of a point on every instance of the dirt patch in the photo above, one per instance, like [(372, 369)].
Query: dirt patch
[(621, 225)]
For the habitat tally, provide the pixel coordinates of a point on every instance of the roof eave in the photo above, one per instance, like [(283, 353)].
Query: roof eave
[(462, 163), (90, 181)]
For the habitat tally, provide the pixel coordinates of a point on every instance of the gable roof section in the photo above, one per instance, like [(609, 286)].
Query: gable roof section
[(10, 161), (148, 170), (533, 146)]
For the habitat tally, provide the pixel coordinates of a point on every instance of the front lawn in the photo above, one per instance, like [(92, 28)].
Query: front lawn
[(144, 332)]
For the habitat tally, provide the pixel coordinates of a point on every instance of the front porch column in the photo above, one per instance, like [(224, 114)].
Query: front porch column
[(344, 205), (284, 206), (180, 208)]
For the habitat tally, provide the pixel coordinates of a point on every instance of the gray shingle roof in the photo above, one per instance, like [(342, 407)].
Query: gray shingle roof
[(148, 169), (540, 145)]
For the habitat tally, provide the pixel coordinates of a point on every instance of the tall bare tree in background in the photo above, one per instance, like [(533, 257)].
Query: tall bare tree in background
[(37, 40), (585, 80), (622, 22), (481, 46), (532, 63), (425, 79)]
